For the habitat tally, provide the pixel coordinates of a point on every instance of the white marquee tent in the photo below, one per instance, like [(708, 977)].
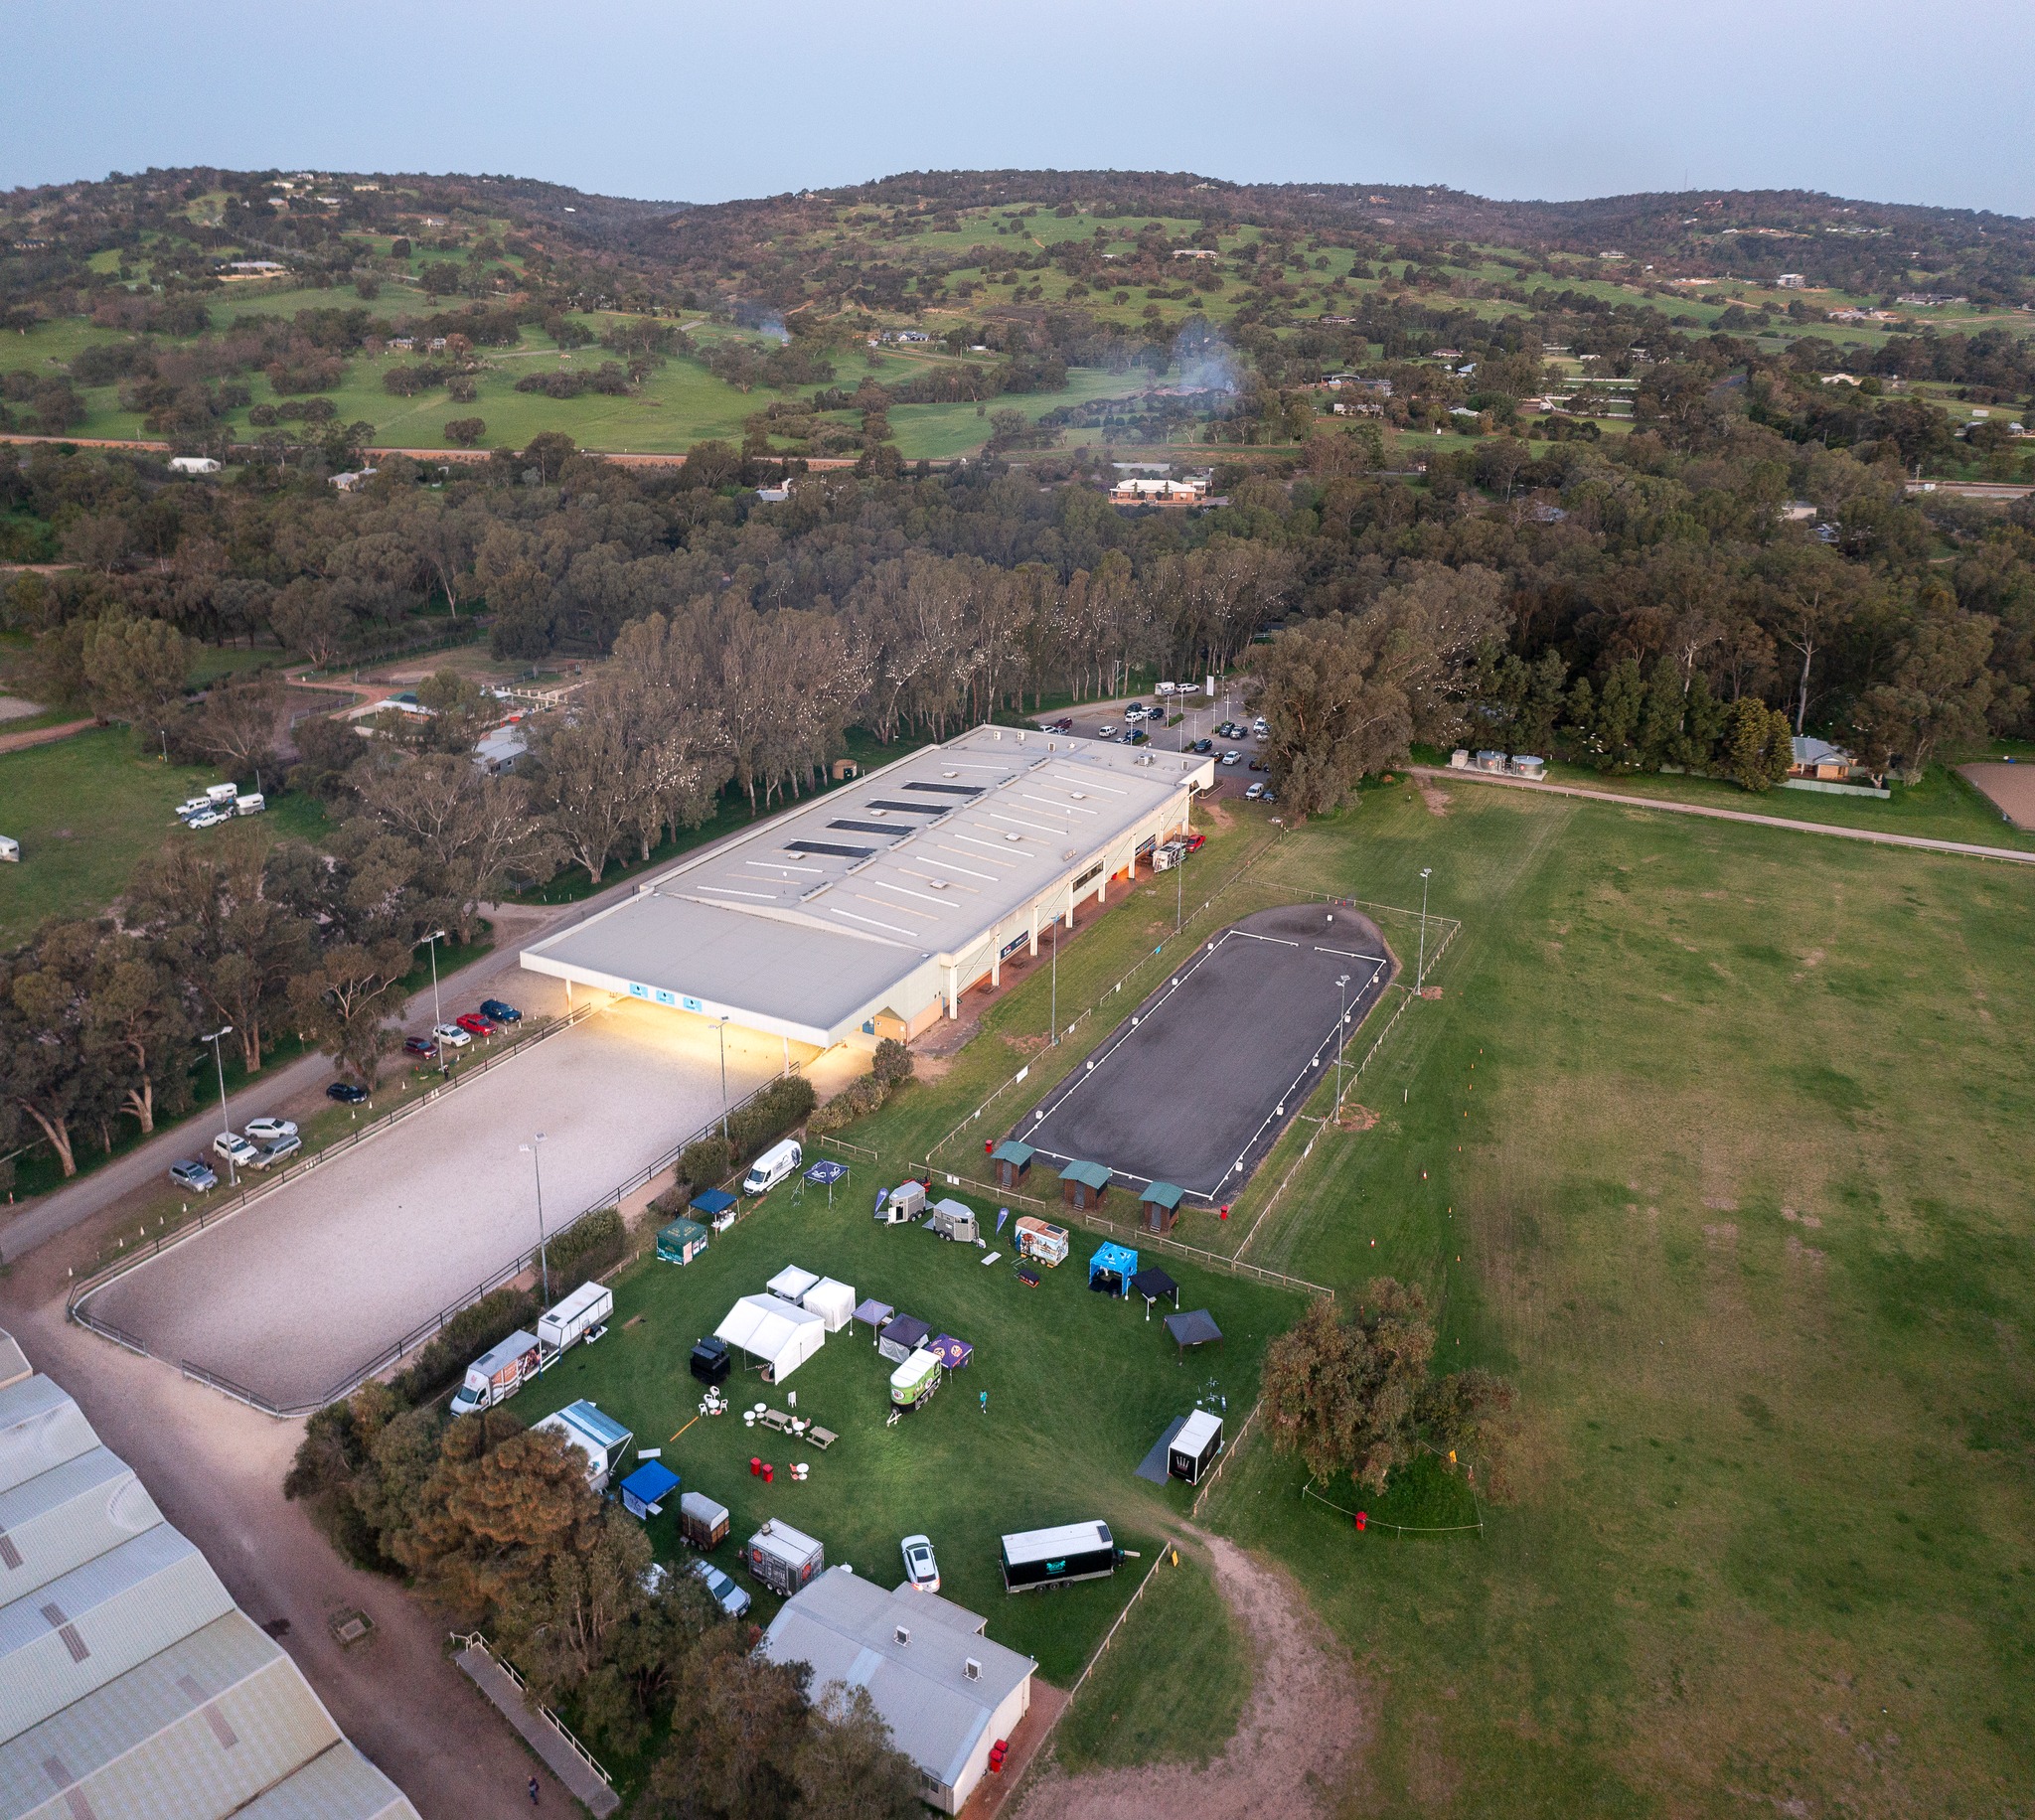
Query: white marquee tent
[(792, 1283), (833, 1302), (778, 1333)]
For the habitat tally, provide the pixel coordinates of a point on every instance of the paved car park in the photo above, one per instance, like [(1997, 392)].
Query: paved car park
[(286, 1298), (1196, 1084)]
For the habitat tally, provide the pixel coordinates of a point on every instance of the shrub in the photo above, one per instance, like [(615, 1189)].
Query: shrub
[(893, 1063), (775, 1110), (470, 1331), (863, 1096), (705, 1161), (587, 1247)]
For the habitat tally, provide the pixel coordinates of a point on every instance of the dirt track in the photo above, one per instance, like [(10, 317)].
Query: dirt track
[(1304, 1720)]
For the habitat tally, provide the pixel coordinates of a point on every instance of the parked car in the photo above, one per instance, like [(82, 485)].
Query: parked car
[(1195, 843), (500, 1012), (920, 1569), (1203, 745), (1107, 730), (419, 1045), (727, 1595), (206, 818), (1135, 737), (477, 1025), (1065, 724), (1261, 727), (1258, 764), (1232, 757), (451, 1035), (195, 805), (1268, 796), (193, 1174), (1255, 792), (275, 1150), (265, 1130), (1137, 711), (234, 1148), (347, 1093)]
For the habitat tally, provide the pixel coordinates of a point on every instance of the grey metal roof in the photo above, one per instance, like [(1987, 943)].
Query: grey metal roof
[(63, 1518), (40, 1428), (814, 914), (847, 1628), (340, 1785), (65, 1639), (198, 1730), (14, 1365)]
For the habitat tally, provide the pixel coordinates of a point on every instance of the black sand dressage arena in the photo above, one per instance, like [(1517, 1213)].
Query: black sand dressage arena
[(1196, 1084)]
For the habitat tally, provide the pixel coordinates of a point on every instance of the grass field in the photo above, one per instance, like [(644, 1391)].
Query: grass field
[(1720, 1152), (1080, 1387)]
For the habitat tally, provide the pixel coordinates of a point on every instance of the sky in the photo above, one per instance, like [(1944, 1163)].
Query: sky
[(1873, 99)]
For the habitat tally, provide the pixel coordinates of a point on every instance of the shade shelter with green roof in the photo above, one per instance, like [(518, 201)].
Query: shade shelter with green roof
[(1013, 1163), (682, 1241), (1083, 1184), (1161, 1206)]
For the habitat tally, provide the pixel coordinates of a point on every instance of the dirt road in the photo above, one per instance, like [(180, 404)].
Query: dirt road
[(1306, 1719)]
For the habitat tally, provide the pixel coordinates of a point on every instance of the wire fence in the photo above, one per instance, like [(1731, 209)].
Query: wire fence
[(1369, 1522)]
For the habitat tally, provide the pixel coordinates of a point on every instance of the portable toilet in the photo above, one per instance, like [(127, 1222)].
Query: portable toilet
[(1111, 1268), (782, 1558), (1192, 1450), (913, 1382), (1013, 1161), (1161, 1206)]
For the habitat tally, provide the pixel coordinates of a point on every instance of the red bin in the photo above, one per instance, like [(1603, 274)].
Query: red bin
[(769, 1472), (755, 1466)]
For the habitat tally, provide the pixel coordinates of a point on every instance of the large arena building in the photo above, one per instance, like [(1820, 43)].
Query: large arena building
[(869, 911)]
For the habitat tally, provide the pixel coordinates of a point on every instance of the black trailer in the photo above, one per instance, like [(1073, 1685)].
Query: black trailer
[(1058, 1556)]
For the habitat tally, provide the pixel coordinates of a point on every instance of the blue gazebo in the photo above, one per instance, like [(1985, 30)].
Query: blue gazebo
[(645, 1489), (1111, 1267)]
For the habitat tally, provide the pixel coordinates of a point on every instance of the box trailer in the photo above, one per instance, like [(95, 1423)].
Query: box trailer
[(955, 1220), (579, 1316), (701, 1522), (912, 1384), (1037, 1239), (1192, 1452), (904, 1203), (782, 1558), (498, 1373), (1057, 1557)]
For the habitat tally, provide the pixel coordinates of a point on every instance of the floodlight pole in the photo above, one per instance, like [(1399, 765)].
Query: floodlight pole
[(1341, 1038), (542, 1252), (1420, 978), (233, 1179), (722, 1027)]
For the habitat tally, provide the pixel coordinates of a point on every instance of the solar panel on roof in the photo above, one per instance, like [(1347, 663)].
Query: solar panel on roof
[(869, 828), (830, 846), (912, 809), (948, 789)]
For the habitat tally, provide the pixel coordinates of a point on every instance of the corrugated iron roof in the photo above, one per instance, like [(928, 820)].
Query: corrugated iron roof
[(66, 1516), (40, 1428), (340, 1785)]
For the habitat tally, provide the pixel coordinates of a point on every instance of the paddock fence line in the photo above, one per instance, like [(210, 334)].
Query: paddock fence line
[(476, 1640), (1058, 1035), (1139, 1235), (205, 1218)]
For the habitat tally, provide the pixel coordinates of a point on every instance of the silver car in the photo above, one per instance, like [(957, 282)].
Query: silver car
[(727, 1595)]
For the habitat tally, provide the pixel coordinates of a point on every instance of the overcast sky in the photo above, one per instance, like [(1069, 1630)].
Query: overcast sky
[(1898, 102)]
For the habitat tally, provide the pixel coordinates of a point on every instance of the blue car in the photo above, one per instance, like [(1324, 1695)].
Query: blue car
[(500, 1012)]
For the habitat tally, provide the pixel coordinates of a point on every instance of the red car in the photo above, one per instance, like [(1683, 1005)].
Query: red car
[(419, 1045), (1195, 843), (474, 1024), (1064, 726)]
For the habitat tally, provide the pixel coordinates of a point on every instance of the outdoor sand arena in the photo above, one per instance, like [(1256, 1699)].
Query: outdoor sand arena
[(2009, 788), (1197, 1083)]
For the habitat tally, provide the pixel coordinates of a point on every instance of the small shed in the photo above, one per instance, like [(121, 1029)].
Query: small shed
[(952, 1353), (1013, 1163), (874, 1312), (832, 1302), (792, 1283), (645, 1489), (1154, 1286), (1161, 1205), (1197, 1328), (1083, 1184), (843, 768), (1192, 1450), (716, 1207), (1111, 1267), (682, 1241), (902, 1336), (701, 1522)]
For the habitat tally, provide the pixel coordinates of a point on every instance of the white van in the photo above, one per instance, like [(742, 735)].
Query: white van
[(773, 1166)]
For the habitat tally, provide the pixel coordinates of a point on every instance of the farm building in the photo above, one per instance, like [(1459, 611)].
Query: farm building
[(130, 1683), (947, 1692), (869, 910), (1083, 1184)]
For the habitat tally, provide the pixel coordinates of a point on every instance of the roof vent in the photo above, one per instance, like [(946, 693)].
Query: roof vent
[(972, 1669), (902, 1635), (950, 774), (938, 885), (1013, 836), (1078, 796)]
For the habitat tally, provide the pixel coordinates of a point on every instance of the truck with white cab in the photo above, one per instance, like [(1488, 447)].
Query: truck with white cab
[(498, 1374)]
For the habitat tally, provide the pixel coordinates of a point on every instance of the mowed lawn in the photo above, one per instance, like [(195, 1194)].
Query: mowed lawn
[(1079, 1386), (1718, 1144)]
